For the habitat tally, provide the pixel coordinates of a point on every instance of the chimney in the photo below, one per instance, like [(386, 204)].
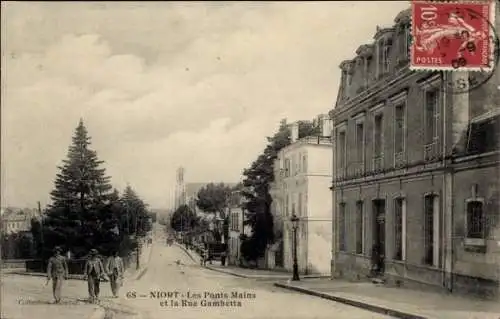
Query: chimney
[(326, 125), (294, 127)]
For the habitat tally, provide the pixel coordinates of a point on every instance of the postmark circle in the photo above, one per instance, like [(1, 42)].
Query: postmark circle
[(475, 78)]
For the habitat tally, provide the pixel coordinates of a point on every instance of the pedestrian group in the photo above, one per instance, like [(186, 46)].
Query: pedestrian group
[(94, 272)]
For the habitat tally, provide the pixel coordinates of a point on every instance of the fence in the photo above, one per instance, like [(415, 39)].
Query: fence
[(75, 266)]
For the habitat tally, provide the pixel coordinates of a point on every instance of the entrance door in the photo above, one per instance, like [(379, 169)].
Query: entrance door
[(379, 224)]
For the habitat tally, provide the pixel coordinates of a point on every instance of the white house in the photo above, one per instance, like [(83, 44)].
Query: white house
[(303, 176)]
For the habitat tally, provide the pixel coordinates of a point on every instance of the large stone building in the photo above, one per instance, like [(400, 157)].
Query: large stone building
[(302, 179), (15, 220), (415, 170)]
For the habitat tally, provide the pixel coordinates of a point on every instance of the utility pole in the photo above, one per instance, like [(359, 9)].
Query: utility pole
[(137, 240), (42, 244)]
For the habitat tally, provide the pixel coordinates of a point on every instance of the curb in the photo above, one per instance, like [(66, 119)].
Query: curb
[(142, 272), (187, 252), (255, 277), (261, 277), (229, 273), (354, 303)]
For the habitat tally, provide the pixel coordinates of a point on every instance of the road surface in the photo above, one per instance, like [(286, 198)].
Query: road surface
[(186, 290)]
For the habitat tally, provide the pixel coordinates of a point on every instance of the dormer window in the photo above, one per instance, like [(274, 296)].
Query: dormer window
[(403, 42), (403, 29), (386, 58), (383, 51), (383, 40)]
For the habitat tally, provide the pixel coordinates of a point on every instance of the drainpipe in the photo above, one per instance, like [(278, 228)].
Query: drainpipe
[(448, 180), (334, 202)]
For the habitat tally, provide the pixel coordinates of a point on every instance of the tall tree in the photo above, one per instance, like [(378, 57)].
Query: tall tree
[(257, 180), (184, 219), (214, 198), (136, 212), (82, 189), (81, 184)]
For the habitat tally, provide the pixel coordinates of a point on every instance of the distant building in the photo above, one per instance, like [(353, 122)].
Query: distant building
[(302, 180), (180, 188), (416, 170), (16, 220), (237, 228)]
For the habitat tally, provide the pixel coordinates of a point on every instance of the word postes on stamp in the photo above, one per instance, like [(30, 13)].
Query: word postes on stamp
[(452, 35)]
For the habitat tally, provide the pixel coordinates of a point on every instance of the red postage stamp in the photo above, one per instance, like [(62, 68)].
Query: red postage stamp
[(452, 35)]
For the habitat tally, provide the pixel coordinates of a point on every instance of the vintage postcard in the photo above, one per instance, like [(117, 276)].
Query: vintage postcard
[(250, 159)]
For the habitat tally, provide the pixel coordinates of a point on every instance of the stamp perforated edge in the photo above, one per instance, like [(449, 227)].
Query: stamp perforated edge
[(491, 23)]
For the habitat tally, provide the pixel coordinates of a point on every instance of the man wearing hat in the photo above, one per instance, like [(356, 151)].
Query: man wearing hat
[(115, 269), (93, 272), (57, 270)]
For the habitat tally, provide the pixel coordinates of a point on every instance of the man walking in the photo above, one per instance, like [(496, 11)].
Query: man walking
[(204, 256), (115, 269), (57, 270), (93, 272)]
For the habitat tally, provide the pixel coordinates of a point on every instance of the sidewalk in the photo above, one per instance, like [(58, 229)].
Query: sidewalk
[(27, 288), (29, 297), (397, 302), (257, 274), (131, 275), (145, 256)]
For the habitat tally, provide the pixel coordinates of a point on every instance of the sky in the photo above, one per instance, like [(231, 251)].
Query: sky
[(166, 84)]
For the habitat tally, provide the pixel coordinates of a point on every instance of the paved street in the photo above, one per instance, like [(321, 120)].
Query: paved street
[(26, 297), (263, 300)]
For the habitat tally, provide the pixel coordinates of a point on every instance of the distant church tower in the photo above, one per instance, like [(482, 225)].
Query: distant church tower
[(180, 189)]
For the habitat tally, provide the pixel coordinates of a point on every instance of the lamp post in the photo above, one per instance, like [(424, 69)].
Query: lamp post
[(138, 252), (295, 225)]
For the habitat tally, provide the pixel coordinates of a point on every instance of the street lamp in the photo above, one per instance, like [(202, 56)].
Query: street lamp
[(295, 226)]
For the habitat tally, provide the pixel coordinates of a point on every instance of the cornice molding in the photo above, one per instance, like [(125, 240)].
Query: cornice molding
[(377, 108), (341, 126), (399, 97), (431, 82), (360, 117)]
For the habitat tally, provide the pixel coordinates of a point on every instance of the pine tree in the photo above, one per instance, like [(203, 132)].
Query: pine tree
[(81, 185), (136, 212), (79, 199)]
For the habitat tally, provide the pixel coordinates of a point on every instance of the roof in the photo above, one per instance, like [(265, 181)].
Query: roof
[(19, 214)]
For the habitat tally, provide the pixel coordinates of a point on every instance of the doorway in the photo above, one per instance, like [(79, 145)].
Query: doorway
[(379, 224), (378, 209)]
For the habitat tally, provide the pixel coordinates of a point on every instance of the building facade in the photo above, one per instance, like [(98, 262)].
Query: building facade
[(407, 176), (303, 177), (15, 220), (237, 228)]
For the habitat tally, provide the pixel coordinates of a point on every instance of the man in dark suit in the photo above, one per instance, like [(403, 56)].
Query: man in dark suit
[(57, 270)]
